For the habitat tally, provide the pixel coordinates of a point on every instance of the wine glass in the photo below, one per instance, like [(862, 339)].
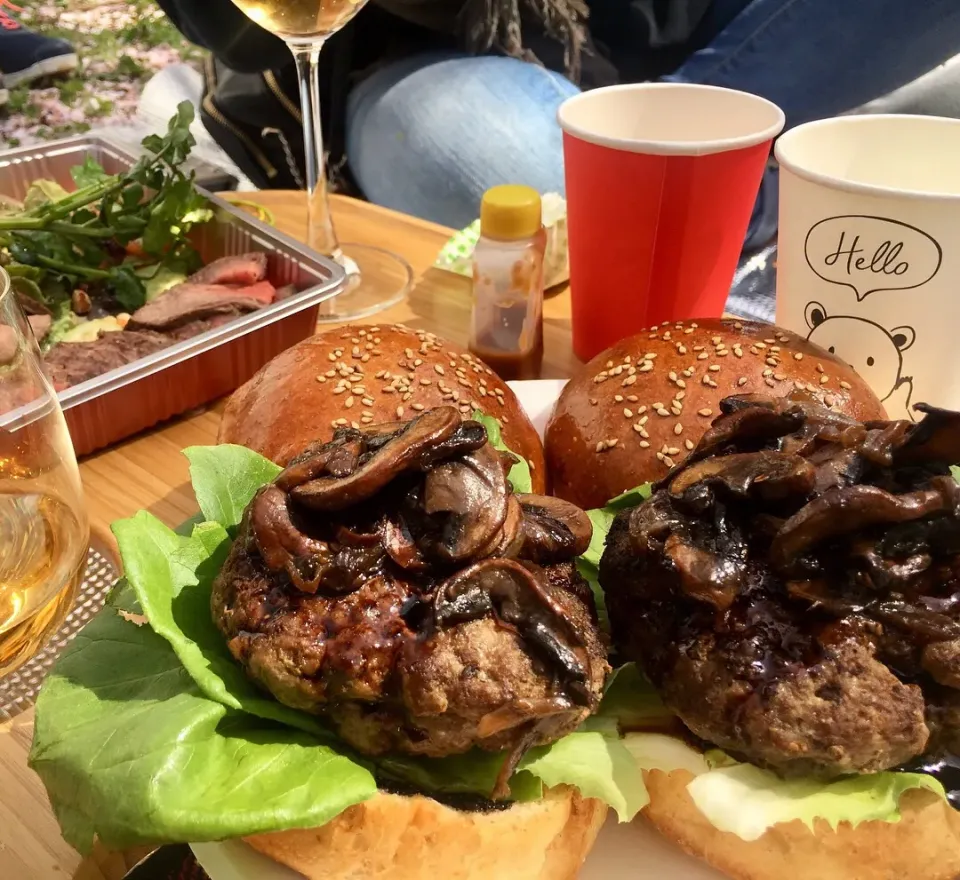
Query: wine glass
[(43, 522), (376, 278)]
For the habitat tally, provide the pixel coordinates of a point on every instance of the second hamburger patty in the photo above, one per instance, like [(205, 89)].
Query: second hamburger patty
[(791, 590)]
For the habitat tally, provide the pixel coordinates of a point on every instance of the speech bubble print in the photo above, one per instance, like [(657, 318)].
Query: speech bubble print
[(868, 254)]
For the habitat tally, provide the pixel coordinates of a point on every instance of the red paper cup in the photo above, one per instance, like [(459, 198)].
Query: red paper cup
[(661, 180)]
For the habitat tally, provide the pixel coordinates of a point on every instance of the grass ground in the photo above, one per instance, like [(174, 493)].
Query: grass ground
[(120, 45)]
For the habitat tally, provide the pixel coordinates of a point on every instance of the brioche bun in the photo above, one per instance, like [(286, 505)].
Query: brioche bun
[(643, 404), (923, 845), (369, 374), (395, 837)]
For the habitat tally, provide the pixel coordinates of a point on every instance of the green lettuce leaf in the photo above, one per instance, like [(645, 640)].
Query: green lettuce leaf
[(746, 800), (602, 519), (519, 475), (172, 577), (600, 766), (225, 478), (632, 701), (131, 750)]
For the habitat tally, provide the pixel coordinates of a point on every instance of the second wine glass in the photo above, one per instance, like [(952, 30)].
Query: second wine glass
[(377, 278)]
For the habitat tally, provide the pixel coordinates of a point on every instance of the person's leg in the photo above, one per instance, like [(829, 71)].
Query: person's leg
[(818, 58), (427, 135)]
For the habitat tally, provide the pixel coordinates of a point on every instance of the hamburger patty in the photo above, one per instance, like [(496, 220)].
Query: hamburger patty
[(792, 589), (391, 582)]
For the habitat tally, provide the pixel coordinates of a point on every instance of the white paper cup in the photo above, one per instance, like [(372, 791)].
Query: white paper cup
[(869, 250)]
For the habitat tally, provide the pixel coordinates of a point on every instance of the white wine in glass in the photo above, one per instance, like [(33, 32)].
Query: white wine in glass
[(376, 278), (43, 523)]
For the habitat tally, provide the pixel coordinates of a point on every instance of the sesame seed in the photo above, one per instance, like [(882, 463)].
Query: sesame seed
[(824, 380), (646, 367), (846, 385), (331, 357), (706, 411), (676, 409), (673, 450), (714, 368), (767, 372), (678, 428), (742, 380), (759, 345), (688, 443), (738, 352), (668, 461), (644, 444), (659, 456), (663, 411), (593, 401), (618, 398), (779, 377), (348, 402), (388, 389), (772, 361), (702, 356), (819, 368), (638, 428), (321, 378), (770, 382), (399, 412), (438, 369), (680, 394), (601, 446), (632, 398), (628, 413), (643, 419), (339, 390), (629, 380), (417, 406), (829, 401)]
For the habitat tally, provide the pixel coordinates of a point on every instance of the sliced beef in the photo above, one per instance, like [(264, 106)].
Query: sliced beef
[(189, 302), (40, 325), (71, 363), (243, 269)]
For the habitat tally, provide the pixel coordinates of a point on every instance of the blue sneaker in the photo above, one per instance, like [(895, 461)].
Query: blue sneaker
[(25, 55)]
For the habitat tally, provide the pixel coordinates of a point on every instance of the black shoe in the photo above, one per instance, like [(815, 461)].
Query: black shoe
[(25, 55)]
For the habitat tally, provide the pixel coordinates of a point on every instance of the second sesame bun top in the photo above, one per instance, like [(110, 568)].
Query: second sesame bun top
[(639, 407), (363, 375)]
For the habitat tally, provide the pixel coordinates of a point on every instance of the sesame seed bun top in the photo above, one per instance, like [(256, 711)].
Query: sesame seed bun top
[(639, 407), (362, 375)]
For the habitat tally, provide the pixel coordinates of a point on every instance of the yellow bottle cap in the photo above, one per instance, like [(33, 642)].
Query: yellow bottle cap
[(510, 212)]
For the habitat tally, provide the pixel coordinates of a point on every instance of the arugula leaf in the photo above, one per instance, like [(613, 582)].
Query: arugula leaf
[(519, 475), (225, 479), (131, 751), (89, 173), (127, 288)]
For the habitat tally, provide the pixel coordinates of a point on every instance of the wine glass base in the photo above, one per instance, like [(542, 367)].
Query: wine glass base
[(376, 280)]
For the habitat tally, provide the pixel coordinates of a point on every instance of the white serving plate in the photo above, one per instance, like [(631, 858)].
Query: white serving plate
[(633, 851)]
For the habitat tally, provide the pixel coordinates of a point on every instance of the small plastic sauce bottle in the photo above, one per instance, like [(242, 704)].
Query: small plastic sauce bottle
[(506, 327)]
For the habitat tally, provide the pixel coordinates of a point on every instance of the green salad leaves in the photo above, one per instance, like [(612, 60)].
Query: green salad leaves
[(147, 730)]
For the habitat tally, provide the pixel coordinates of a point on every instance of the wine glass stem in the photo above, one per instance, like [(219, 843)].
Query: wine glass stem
[(321, 235)]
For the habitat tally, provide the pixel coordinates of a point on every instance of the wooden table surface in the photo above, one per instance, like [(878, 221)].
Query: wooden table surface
[(149, 472)]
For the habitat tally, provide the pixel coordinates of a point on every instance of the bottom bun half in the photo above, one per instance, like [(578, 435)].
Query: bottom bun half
[(411, 838), (923, 845)]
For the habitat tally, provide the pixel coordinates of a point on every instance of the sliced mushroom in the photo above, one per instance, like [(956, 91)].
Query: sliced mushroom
[(403, 451), (935, 439), (465, 501), (836, 466), (842, 511), (886, 574), (704, 575), (880, 442), (767, 475), (508, 542), (516, 599), (339, 458), (282, 546), (554, 530), (400, 546)]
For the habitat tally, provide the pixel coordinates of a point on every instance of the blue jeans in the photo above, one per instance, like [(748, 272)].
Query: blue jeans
[(427, 135)]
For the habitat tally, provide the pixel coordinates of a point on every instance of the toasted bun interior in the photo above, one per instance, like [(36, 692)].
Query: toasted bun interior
[(923, 845), (393, 837), (365, 375)]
